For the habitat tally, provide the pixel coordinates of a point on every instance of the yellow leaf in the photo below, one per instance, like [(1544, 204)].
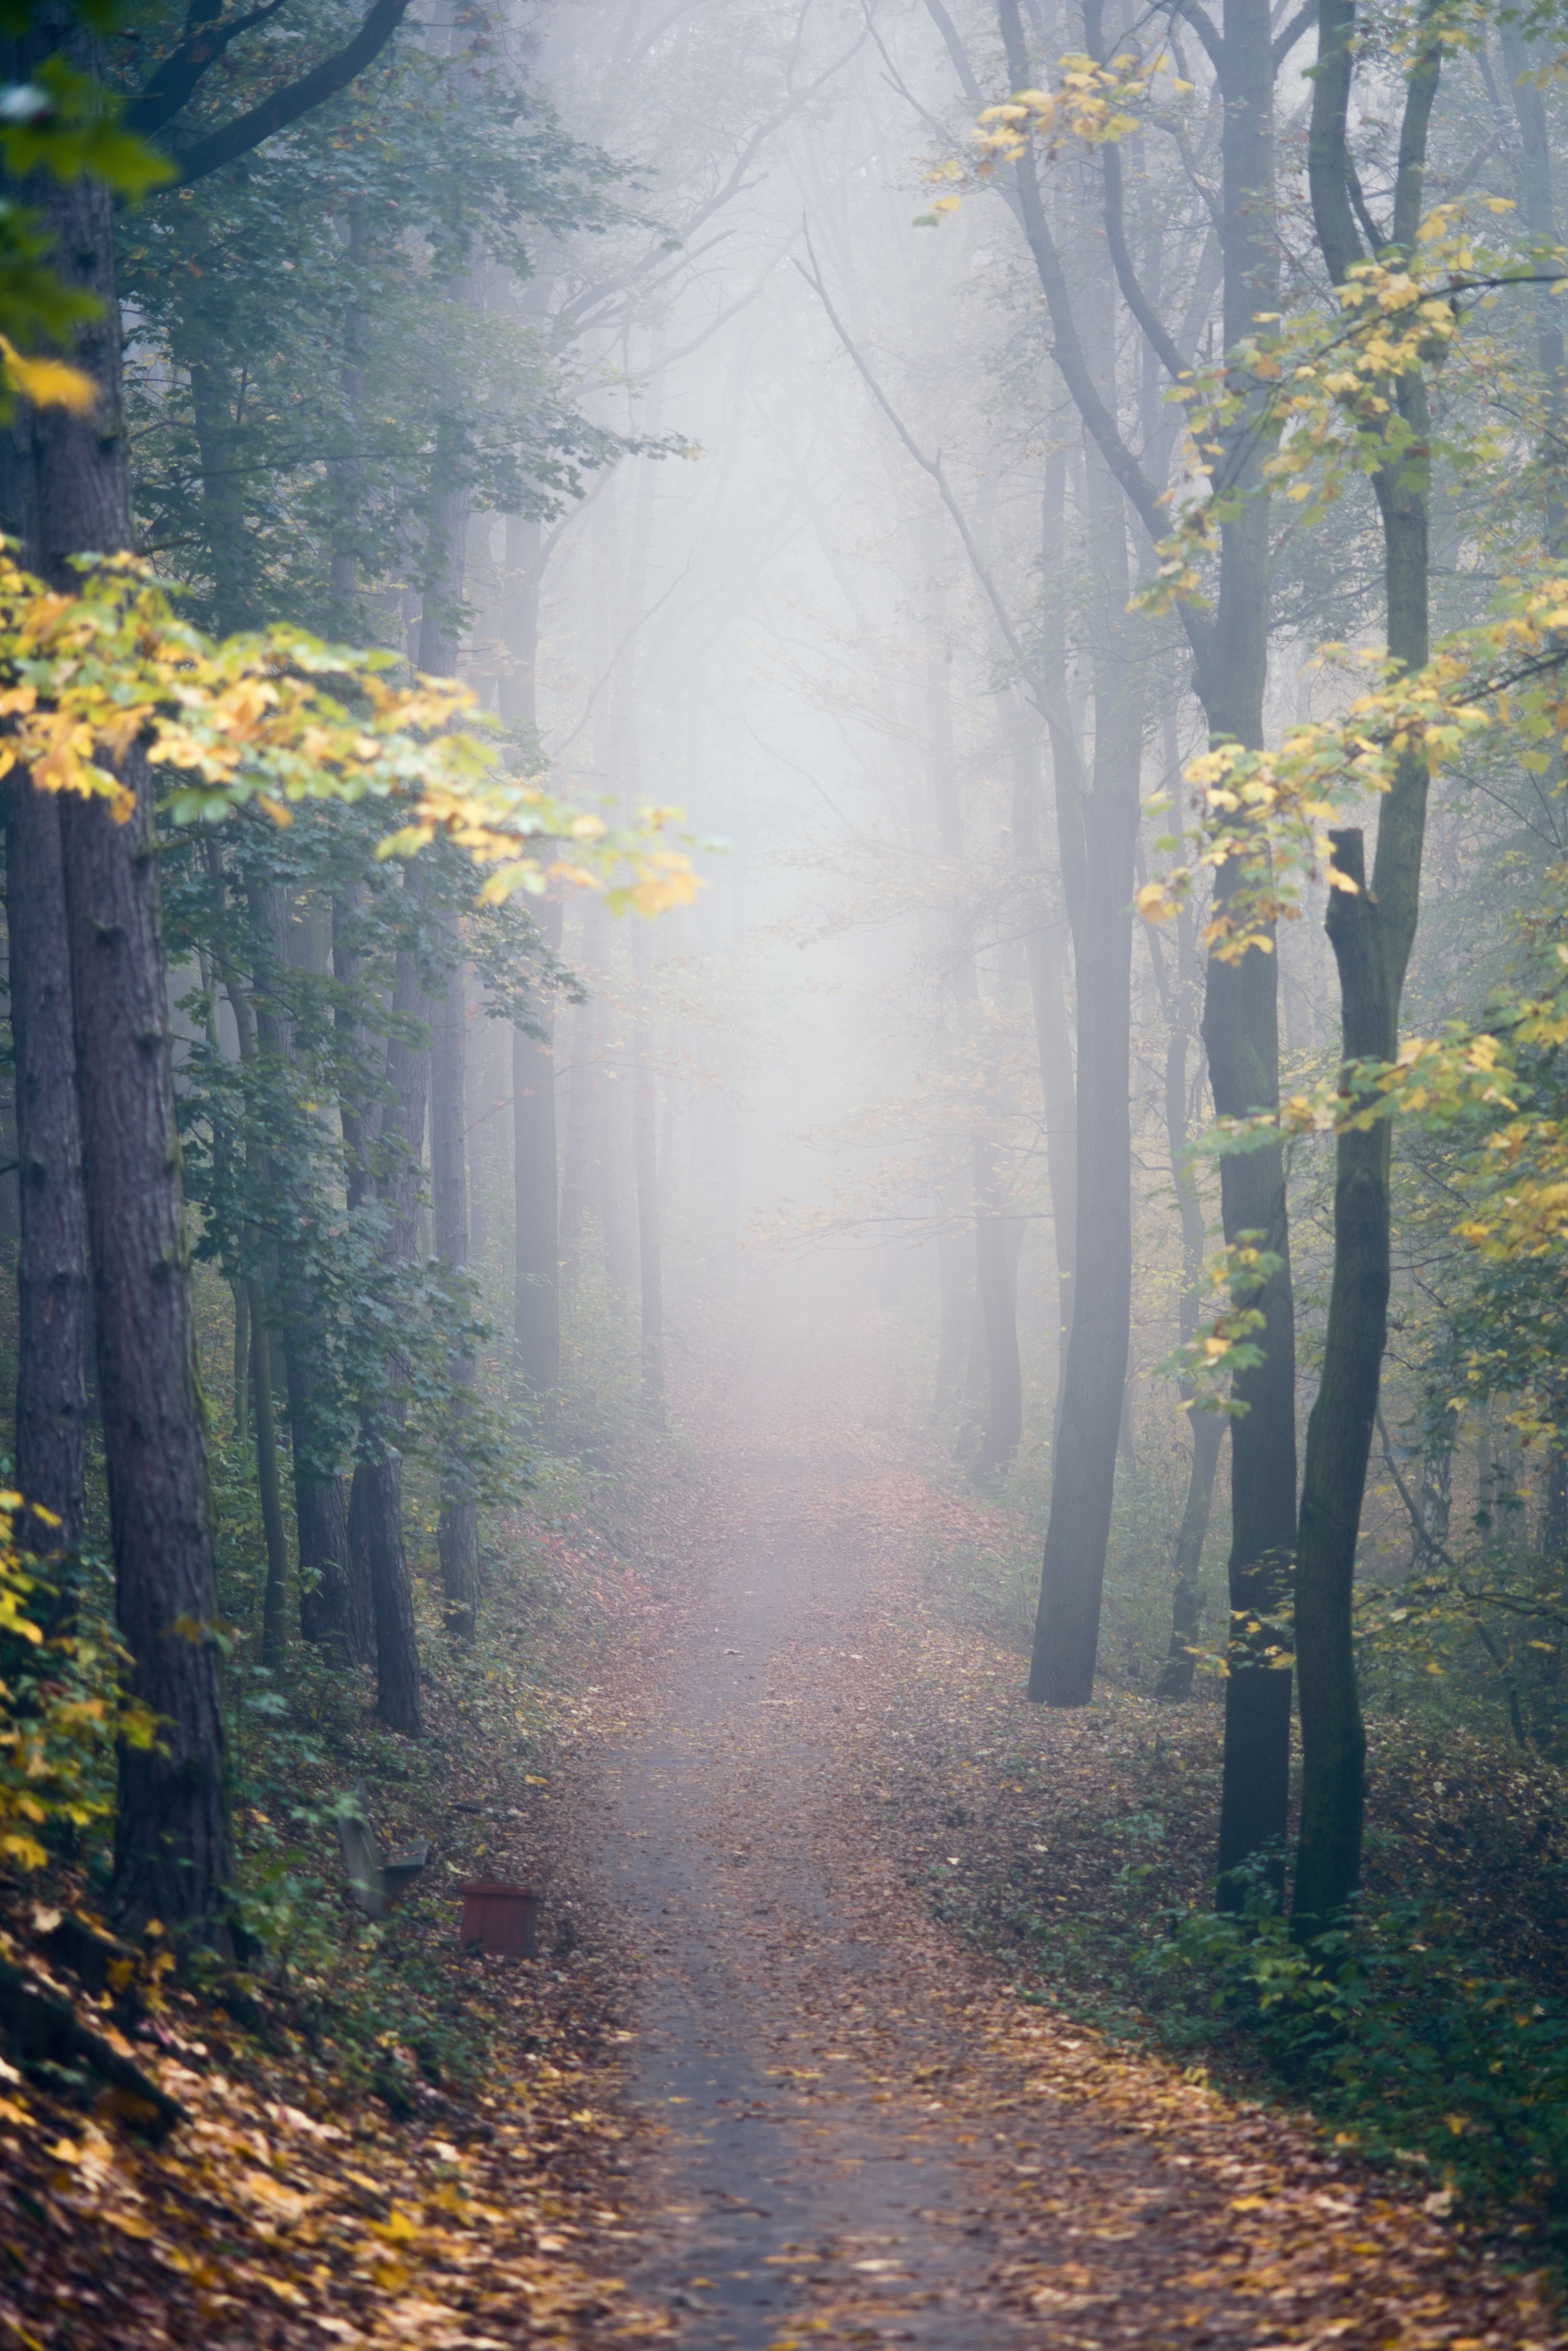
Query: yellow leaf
[(49, 383)]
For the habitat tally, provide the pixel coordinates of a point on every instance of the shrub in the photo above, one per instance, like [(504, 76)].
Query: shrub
[(1403, 2040), (62, 1709)]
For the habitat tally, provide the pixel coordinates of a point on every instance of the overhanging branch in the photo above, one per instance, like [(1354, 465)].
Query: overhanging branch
[(295, 97)]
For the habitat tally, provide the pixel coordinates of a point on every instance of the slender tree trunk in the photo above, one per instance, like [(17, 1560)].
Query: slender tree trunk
[(1066, 1627), (1241, 1025), (1371, 932), (51, 1258), (172, 1845), (458, 1531)]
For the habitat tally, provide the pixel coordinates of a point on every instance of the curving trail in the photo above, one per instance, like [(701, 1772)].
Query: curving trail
[(856, 2137)]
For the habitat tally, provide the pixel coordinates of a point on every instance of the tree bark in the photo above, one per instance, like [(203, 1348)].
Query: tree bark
[(1067, 1627), (1371, 932), (1240, 1024), (171, 1844), (171, 1848), (51, 1258), (1100, 818)]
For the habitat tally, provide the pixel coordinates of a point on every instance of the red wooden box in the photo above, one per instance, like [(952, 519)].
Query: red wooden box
[(503, 1920)]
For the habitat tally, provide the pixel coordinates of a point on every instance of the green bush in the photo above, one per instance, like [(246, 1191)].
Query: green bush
[(1405, 2043)]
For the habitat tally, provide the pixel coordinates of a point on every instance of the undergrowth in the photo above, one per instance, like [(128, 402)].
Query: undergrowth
[(1407, 2044), (1429, 2034)]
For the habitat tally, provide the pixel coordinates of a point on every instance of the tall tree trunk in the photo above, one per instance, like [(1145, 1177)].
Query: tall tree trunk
[(1240, 1022), (1239, 1025), (1072, 1572), (1371, 932), (171, 1848), (171, 1842), (1067, 1628), (458, 1531), (51, 1258)]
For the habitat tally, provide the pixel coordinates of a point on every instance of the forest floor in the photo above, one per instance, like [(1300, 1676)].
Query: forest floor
[(784, 2073), (852, 2130)]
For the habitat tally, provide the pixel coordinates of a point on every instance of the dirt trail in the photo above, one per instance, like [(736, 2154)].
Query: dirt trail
[(849, 2146)]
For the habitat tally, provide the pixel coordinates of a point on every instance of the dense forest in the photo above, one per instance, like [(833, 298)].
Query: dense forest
[(784, 1172)]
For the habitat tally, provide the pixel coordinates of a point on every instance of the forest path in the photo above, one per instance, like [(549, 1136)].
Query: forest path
[(843, 2150)]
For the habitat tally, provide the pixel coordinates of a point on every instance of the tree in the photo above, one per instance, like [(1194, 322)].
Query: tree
[(1371, 926), (1239, 1021)]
